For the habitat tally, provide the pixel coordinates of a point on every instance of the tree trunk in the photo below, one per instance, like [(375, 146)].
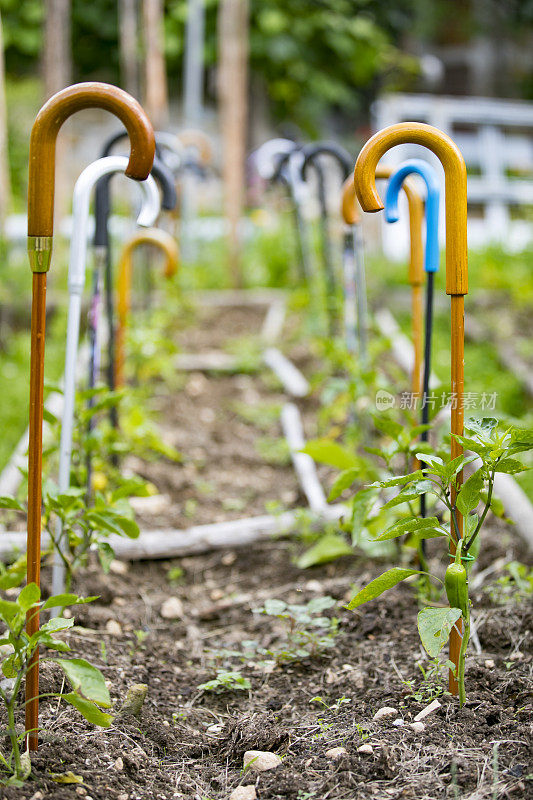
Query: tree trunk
[(233, 97), (5, 185), (155, 75), (57, 55), (57, 74), (129, 41)]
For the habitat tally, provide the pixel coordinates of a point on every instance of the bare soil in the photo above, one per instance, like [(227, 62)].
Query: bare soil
[(188, 743)]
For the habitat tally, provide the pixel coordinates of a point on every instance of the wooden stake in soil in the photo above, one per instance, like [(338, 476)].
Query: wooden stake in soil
[(163, 241), (350, 214), (456, 266), (233, 101), (40, 236)]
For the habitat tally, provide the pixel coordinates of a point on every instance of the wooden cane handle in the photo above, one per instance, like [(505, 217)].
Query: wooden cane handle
[(43, 143), (455, 184)]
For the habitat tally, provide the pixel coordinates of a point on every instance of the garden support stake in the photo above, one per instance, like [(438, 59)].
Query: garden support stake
[(312, 155), (355, 303), (165, 242), (40, 236), (416, 260), (456, 269), (76, 282), (288, 171), (102, 246), (431, 265)]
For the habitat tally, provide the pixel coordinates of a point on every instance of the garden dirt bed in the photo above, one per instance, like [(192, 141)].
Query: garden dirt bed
[(189, 744), (227, 427)]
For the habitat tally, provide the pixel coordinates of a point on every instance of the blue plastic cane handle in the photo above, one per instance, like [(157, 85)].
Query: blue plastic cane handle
[(426, 171)]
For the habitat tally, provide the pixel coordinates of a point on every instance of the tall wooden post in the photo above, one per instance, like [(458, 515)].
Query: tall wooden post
[(57, 74), (155, 74), (129, 46), (233, 106), (5, 183)]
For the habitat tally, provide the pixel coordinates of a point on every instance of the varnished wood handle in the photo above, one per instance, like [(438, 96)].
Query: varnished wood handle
[(165, 242), (43, 143), (455, 184)]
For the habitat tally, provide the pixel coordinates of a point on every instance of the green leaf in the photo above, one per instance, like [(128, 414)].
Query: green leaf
[(380, 585), (326, 451), (128, 526), (106, 554), (62, 600), (424, 526), (56, 624), (472, 444), (342, 482), (8, 611), (468, 497), (511, 466), (481, 427), (88, 710), (434, 626), (328, 548), (411, 493), (456, 465), (436, 463), (11, 502), (398, 480), (29, 597), (274, 607), (388, 426), (86, 679)]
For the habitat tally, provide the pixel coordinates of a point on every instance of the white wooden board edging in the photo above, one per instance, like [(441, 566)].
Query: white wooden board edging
[(305, 468), (290, 376), (173, 543)]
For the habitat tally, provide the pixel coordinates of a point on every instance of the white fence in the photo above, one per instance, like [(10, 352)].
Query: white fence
[(496, 140)]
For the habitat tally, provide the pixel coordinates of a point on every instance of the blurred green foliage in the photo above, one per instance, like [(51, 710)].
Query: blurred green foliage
[(311, 57)]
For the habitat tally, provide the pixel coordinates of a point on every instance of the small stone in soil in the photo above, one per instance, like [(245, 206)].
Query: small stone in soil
[(336, 752), (489, 663), (261, 760), (365, 748), (172, 608), (113, 627), (418, 727), (119, 764), (243, 793), (118, 567), (385, 712), (135, 698)]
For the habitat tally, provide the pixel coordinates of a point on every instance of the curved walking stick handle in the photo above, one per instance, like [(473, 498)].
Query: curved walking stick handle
[(418, 167), (342, 156), (43, 143), (455, 184), (191, 137), (351, 216)]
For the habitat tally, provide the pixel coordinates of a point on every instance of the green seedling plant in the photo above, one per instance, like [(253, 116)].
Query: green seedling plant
[(515, 585), (85, 526), (309, 633), (226, 681), (89, 693), (494, 449)]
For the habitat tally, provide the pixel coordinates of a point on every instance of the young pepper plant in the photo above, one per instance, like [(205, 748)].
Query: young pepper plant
[(89, 693), (494, 451), (85, 526)]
